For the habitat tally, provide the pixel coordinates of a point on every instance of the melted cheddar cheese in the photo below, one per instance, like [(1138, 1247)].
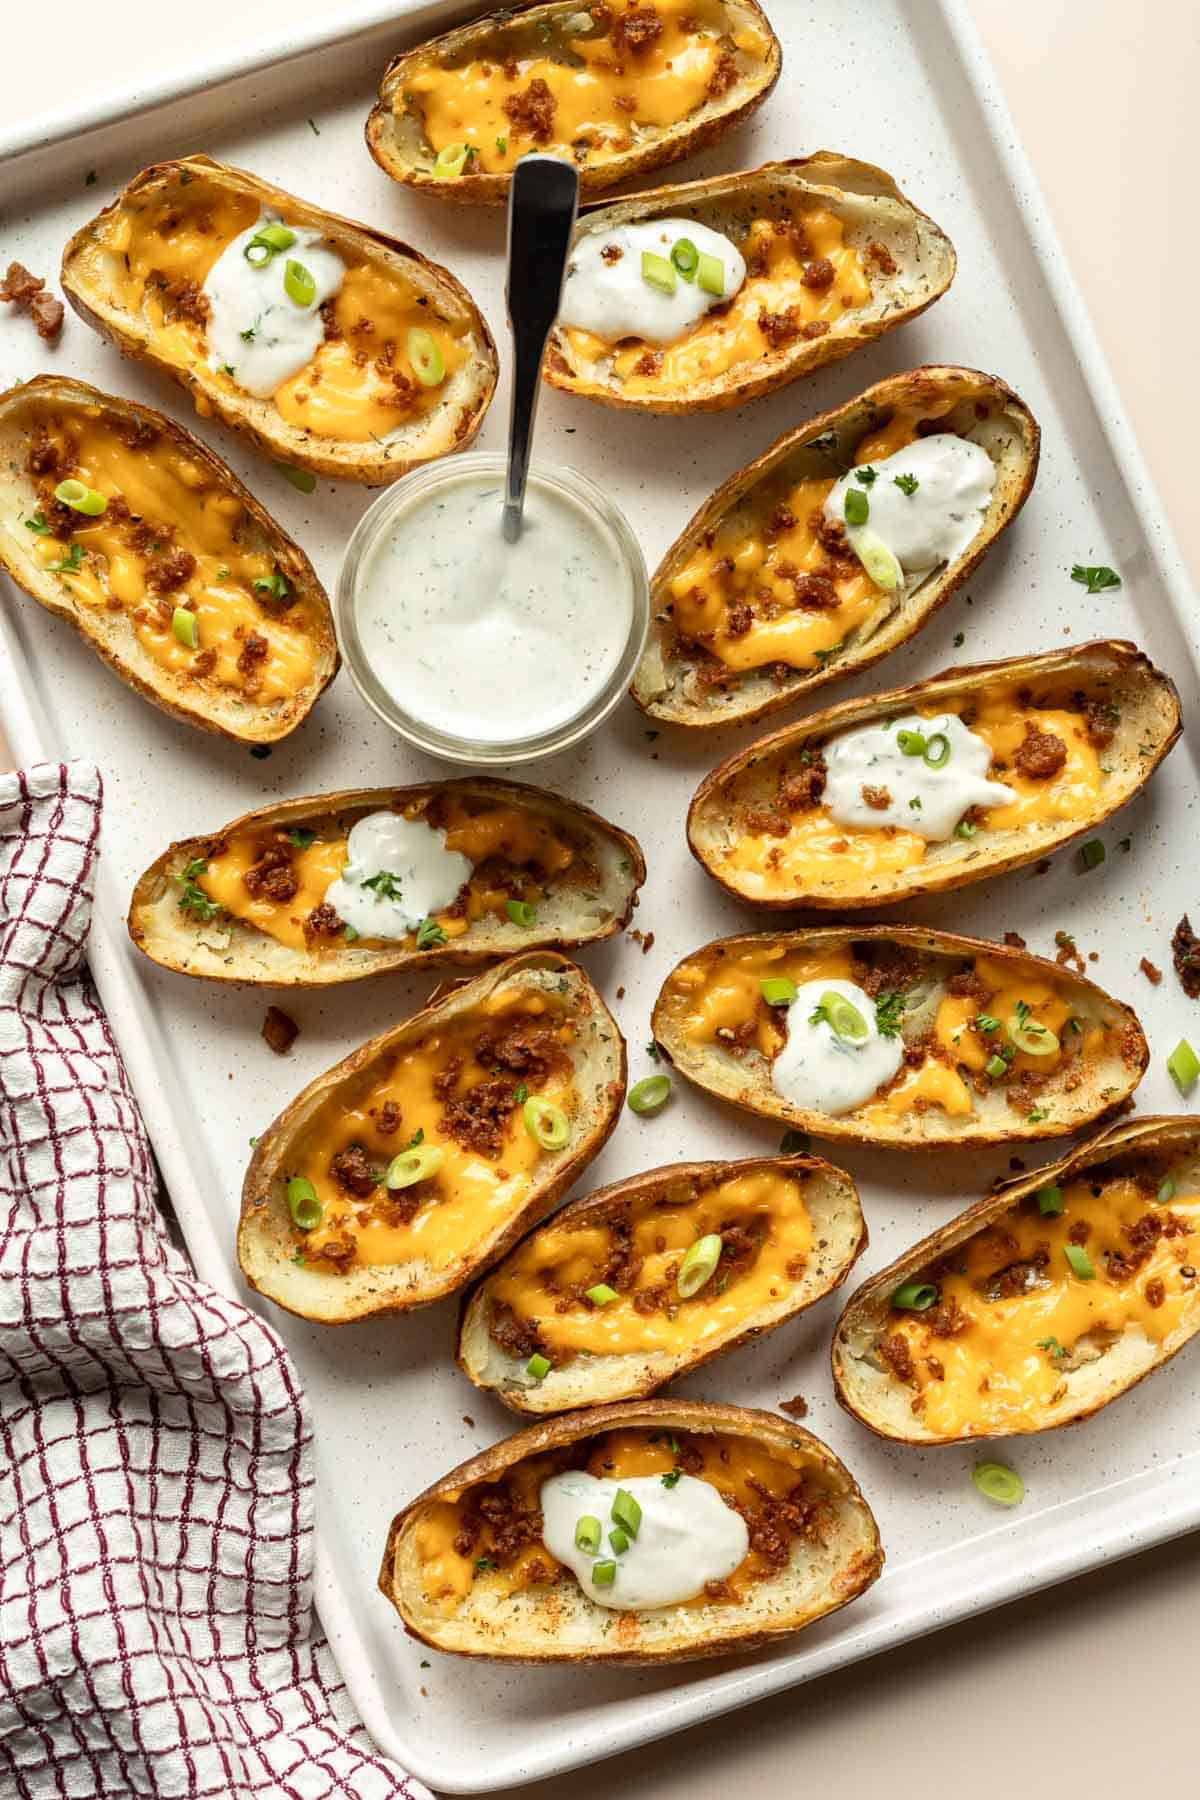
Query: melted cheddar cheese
[(502, 842), (723, 1002), (170, 536), (474, 1192), (154, 250), (596, 94), (452, 1541), (1014, 1318), (562, 1260), (816, 852)]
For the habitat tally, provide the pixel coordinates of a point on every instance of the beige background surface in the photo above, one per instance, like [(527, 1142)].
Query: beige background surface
[(1088, 1689)]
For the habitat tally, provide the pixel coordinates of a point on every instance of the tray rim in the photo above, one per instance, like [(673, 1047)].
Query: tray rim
[(1150, 1508)]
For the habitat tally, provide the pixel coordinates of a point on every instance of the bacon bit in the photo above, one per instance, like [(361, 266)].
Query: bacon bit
[(815, 328), (818, 275), (795, 1408), (724, 75), (1149, 971), (280, 1030), (611, 253), (28, 293), (636, 30), (533, 111), (645, 939), (1185, 951), (1067, 956), (649, 363), (879, 798), (880, 257), (1014, 940)]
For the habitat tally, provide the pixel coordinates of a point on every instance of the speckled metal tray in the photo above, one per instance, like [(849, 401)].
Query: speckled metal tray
[(909, 89)]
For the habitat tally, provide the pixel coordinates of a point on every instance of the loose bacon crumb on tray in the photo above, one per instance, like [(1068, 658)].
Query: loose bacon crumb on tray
[(28, 293)]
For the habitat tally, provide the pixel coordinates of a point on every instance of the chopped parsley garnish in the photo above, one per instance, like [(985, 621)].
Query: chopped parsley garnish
[(1097, 578), (227, 369), (384, 885), (1052, 1347), (671, 1477), (192, 897), (418, 1137), (521, 1094), (823, 656), (914, 804), (37, 524), (483, 1563), (71, 563), (247, 336), (429, 934), (301, 838), (1036, 1116), (275, 585), (888, 1010), (349, 935), (986, 1022), (866, 475), (1022, 1011), (908, 484), (652, 1050), (502, 145)]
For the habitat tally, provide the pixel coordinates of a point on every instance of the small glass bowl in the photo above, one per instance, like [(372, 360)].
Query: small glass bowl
[(422, 484)]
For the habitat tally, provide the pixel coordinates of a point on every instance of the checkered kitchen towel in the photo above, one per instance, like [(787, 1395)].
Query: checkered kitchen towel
[(155, 1453)]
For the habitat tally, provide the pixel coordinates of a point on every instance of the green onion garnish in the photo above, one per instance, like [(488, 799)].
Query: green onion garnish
[(303, 479), (912, 743), (601, 1294), (856, 508), (842, 1017), (538, 1366), (1092, 854), (778, 990), (699, 1265), (430, 934), (80, 498), (626, 1512), (299, 283), (1081, 1263), (604, 1574), (427, 363), (1028, 1035), (183, 628), (546, 1123), (1095, 578), (650, 1096), (965, 829), (1183, 1066), (305, 1208), (879, 562), (1050, 1201), (685, 256), (937, 750), (998, 1482), (276, 237), (658, 272), (914, 1296), (619, 1540), (995, 1066), (412, 1166), (587, 1533), (521, 912), (449, 162), (710, 275), (1166, 1191)]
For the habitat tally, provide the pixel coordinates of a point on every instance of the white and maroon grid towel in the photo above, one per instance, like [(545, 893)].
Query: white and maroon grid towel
[(155, 1459)]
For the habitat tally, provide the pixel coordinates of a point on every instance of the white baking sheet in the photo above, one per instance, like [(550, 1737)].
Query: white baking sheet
[(901, 85)]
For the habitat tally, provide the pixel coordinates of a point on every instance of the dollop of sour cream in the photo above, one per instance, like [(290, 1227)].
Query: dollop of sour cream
[(687, 1536), (256, 332), (425, 876), (923, 798), (609, 296), (934, 523), (818, 1070)]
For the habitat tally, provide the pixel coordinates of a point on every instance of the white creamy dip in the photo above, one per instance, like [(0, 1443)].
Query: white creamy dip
[(611, 298), (687, 1536), (924, 798), (256, 332), (935, 523), (424, 875), (820, 1071), (487, 641)]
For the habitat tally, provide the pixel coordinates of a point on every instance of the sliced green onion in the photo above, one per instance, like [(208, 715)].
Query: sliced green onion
[(912, 743), (1092, 854), (856, 507), (414, 1165), (1050, 1201), (996, 1481), (881, 564), (699, 1265), (80, 498), (1033, 1039), (604, 1574), (1080, 1261), (1183, 1066), (937, 750), (183, 628), (995, 1066), (257, 254), (778, 990), (658, 272), (538, 1366), (710, 275), (619, 1540), (546, 1123), (626, 1512), (685, 256), (305, 1208), (449, 162), (276, 237), (426, 359), (1166, 1191), (299, 283), (914, 1296), (304, 479), (601, 1294), (521, 912), (844, 1018), (650, 1096), (350, 934), (587, 1533)]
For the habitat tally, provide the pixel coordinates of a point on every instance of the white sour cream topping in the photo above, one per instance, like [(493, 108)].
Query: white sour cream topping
[(244, 298), (820, 1071), (934, 524), (614, 300), (926, 800), (478, 638), (687, 1536), (427, 875)]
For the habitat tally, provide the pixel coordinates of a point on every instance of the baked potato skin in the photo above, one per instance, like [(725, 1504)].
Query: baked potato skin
[(373, 465), (265, 1241), (831, 1197), (727, 1080), (484, 189), (667, 671), (163, 934), (1107, 667), (861, 1563), (109, 634), (867, 1309), (844, 184)]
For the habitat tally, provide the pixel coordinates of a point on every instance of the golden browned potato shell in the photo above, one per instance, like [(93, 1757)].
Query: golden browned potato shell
[(93, 281), (741, 1074), (266, 1237), (110, 631), (919, 268), (593, 1377), (594, 903), (1097, 1367), (682, 684), (530, 34), (557, 1622), (1139, 705)]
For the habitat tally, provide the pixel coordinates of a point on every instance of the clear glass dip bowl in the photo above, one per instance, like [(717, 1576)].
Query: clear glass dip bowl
[(402, 507)]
